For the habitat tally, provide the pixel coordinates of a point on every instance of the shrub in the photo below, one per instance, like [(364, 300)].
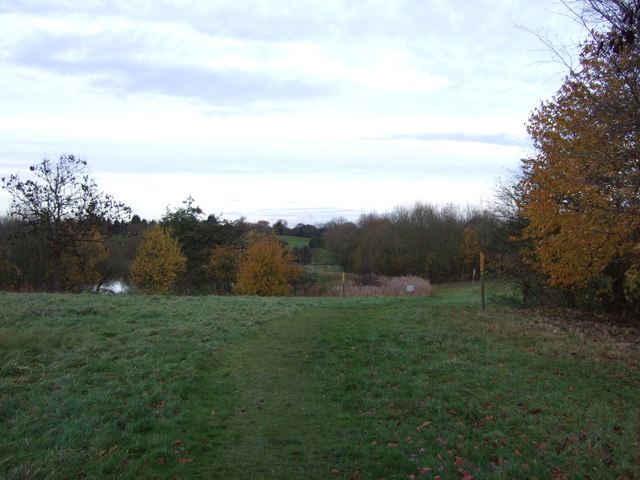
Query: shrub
[(266, 268), (159, 262), (316, 242)]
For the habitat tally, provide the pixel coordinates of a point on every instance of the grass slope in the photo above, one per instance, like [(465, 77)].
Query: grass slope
[(345, 388)]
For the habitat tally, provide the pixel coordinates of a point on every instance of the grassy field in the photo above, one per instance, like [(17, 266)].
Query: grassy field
[(95, 387), (293, 242), (320, 256)]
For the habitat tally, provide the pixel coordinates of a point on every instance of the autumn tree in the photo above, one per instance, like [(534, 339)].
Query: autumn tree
[(198, 235), (582, 186), (61, 205), (341, 239), (80, 266), (159, 262), (223, 267), (471, 247), (266, 268)]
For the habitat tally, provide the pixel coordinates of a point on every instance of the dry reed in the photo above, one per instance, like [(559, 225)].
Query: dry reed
[(387, 287)]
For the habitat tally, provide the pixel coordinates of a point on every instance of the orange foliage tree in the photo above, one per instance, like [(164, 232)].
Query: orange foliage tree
[(582, 187), (158, 263), (266, 268)]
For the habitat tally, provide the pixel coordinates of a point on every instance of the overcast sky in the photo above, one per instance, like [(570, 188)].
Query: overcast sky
[(296, 109)]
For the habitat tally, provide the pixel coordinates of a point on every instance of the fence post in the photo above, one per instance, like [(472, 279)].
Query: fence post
[(482, 279)]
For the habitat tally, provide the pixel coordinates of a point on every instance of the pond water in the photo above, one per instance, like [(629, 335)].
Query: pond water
[(115, 286)]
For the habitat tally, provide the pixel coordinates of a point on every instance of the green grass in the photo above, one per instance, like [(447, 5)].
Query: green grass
[(293, 242), (321, 256), (363, 388), (498, 293)]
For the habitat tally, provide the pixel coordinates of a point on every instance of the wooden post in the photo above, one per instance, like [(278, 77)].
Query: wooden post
[(343, 291), (473, 281), (482, 279)]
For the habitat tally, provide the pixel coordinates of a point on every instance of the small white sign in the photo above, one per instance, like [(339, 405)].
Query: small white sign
[(409, 288)]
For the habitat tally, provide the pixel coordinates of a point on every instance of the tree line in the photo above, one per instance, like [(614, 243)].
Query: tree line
[(63, 234), (566, 227)]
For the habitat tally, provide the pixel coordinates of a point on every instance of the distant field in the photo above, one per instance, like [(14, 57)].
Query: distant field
[(320, 255), (95, 387), (295, 242)]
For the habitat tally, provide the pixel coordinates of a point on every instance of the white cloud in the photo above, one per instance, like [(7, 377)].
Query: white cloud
[(222, 99)]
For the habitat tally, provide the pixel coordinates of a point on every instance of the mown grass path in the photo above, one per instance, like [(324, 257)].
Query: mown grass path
[(278, 409), (273, 419), (396, 389)]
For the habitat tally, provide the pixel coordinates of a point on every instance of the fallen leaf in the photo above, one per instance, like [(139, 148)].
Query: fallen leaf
[(426, 424)]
